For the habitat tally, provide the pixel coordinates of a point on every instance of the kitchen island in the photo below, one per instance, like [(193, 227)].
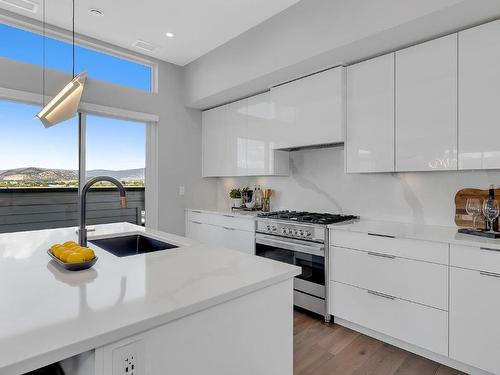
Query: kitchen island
[(192, 309)]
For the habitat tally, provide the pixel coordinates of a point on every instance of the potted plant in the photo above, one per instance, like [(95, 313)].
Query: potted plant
[(235, 195)]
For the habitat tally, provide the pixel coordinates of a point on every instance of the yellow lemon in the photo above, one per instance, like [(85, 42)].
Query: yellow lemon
[(65, 254), (88, 254), (58, 250), (54, 247), (75, 258), (68, 243)]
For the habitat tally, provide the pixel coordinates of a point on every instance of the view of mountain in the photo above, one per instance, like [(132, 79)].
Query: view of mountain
[(38, 175)]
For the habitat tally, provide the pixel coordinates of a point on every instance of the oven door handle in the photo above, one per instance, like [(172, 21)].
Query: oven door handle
[(293, 246)]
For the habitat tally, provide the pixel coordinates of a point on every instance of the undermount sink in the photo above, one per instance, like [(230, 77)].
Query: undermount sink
[(124, 246)]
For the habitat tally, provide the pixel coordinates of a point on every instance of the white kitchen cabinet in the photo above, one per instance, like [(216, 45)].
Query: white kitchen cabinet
[(236, 139), (311, 110), (479, 93), (218, 229), (369, 145), (413, 323), (474, 312), (261, 158), (214, 147), (426, 106), (197, 230), (236, 239), (396, 276)]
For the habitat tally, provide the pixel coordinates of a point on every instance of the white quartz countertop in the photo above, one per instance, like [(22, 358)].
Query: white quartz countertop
[(417, 232), (49, 314)]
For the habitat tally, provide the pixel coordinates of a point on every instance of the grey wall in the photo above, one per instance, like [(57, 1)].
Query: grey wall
[(315, 34), (318, 183)]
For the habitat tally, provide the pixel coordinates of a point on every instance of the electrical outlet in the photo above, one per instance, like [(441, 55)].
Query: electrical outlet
[(182, 190), (129, 359)]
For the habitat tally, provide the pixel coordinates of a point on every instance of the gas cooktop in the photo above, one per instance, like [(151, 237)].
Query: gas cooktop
[(307, 217)]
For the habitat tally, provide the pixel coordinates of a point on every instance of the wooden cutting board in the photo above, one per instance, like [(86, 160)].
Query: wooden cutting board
[(462, 219)]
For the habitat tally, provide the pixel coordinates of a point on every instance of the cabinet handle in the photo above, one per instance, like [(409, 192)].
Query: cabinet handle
[(382, 255), (381, 295), (196, 212), (489, 249), (228, 215), (380, 235), (490, 274), (196, 222), (227, 228)]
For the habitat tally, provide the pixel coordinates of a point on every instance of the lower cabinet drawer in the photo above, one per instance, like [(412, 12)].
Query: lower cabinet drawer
[(198, 216), (235, 239), (230, 221), (416, 281), (415, 324)]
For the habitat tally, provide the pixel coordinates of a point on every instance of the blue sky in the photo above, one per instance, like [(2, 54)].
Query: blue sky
[(111, 144)]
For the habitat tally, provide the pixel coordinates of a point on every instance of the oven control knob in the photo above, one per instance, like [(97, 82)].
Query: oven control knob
[(268, 228), (283, 230), (308, 233), (295, 232), (301, 232), (290, 231), (274, 229)]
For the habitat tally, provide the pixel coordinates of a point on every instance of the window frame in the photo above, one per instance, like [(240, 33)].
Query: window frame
[(151, 122), (59, 34)]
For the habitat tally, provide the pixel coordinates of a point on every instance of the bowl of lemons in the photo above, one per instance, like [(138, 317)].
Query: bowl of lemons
[(72, 257)]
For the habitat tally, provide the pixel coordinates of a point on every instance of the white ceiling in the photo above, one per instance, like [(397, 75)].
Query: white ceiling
[(199, 25)]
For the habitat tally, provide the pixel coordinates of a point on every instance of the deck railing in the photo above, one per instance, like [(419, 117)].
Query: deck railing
[(24, 209)]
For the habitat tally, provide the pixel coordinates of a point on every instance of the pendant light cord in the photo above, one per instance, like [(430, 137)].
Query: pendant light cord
[(43, 53), (73, 35)]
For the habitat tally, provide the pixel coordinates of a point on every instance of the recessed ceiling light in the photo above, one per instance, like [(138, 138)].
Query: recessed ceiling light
[(30, 6), (169, 35), (141, 44), (96, 12)]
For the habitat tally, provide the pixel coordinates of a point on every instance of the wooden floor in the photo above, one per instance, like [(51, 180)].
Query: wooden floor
[(330, 349)]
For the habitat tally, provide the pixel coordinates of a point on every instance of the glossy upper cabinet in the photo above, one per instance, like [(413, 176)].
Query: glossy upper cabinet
[(261, 158), (236, 139), (479, 97), (311, 110), (214, 142), (369, 145), (426, 106)]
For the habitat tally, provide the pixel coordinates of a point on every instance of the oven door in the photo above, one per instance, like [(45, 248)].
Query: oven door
[(310, 256)]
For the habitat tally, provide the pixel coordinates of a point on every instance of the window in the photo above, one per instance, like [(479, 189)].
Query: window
[(39, 169), (117, 148), (25, 46)]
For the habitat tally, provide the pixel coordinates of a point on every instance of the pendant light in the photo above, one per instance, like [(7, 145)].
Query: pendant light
[(65, 104)]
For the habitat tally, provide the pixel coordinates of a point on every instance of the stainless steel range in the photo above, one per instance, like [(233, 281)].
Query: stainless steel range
[(300, 238)]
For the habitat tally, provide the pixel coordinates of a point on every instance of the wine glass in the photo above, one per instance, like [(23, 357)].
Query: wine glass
[(473, 208), (490, 212)]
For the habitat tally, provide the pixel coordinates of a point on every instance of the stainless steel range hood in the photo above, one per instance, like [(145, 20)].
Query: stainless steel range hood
[(65, 104)]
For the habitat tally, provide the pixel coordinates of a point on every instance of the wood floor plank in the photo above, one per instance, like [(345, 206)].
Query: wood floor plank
[(351, 357), (336, 340), (385, 361), (307, 360), (416, 365), (330, 349), (443, 370)]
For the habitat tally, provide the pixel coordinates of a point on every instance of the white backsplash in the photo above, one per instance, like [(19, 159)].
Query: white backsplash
[(317, 182)]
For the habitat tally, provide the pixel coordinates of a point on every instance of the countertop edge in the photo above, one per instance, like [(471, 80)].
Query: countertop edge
[(103, 339), (419, 232)]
